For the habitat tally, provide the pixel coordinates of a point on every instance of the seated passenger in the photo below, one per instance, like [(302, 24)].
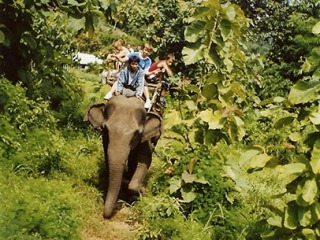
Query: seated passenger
[(131, 77), (145, 61), (120, 53), (156, 70), (144, 64)]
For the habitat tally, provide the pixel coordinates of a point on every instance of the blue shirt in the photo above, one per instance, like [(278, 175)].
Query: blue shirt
[(144, 63), (136, 81)]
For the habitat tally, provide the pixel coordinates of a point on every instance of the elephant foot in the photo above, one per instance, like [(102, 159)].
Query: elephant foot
[(117, 207), (133, 196), (135, 186), (108, 214), (142, 191)]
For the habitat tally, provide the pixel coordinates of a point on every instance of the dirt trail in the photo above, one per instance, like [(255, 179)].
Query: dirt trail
[(119, 227)]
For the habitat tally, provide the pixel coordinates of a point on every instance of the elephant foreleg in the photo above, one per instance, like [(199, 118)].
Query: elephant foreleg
[(143, 163)]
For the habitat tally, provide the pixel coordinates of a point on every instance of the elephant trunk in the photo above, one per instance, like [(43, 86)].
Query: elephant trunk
[(116, 164)]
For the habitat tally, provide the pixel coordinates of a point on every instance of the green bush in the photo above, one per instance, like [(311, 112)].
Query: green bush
[(37, 209), (194, 180), (162, 218)]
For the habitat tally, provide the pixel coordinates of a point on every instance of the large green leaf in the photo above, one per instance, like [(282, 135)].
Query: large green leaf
[(192, 88), (315, 209), (309, 234), (290, 172), (209, 91), (105, 4), (237, 126), (214, 77), (215, 4), (230, 11), (309, 215), (230, 172), (229, 64), (295, 136), (259, 161), (209, 138), (290, 216), (192, 53), (187, 196), (199, 13), (306, 66), (76, 24), (304, 216), (225, 27), (303, 92), (275, 220), (193, 32), (283, 122), (191, 105), (315, 158), (237, 88), (310, 191), (175, 184), (316, 28), (315, 118), (73, 2), (268, 234), (213, 57), (213, 119), (172, 118), (246, 156), (188, 178)]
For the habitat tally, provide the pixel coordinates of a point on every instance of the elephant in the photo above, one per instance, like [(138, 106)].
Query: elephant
[(129, 135)]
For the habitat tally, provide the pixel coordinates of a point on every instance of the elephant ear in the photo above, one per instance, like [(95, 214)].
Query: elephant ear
[(95, 115), (153, 128)]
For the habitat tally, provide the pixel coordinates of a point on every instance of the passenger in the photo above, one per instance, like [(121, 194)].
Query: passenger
[(145, 61), (155, 71), (161, 66), (144, 64), (131, 50), (138, 49), (121, 52), (131, 77)]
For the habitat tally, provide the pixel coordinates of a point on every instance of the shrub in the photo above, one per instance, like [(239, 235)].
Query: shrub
[(162, 218), (37, 209)]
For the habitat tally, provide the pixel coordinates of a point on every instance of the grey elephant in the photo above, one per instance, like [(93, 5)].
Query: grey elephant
[(129, 134)]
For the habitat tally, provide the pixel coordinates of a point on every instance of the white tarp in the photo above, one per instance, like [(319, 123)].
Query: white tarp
[(85, 59)]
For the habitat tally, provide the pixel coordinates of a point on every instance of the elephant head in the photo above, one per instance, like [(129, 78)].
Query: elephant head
[(127, 132)]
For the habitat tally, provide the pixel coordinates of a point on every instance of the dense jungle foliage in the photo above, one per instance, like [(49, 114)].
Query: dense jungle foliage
[(240, 156)]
